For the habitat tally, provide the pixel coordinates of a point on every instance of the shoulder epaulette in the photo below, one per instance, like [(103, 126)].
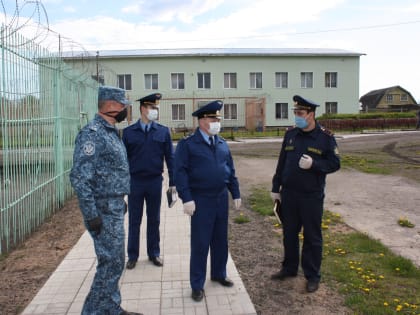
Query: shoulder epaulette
[(188, 136), (93, 127), (327, 131)]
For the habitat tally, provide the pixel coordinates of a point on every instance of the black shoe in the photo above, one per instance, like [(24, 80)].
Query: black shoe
[(282, 274), (312, 286), (156, 261), (131, 264), (129, 313), (226, 282), (197, 295)]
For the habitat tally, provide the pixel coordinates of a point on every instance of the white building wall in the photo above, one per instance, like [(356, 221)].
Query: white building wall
[(346, 94)]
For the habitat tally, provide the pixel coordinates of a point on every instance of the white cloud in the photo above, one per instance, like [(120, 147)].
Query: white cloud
[(131, 9), (69, 9)]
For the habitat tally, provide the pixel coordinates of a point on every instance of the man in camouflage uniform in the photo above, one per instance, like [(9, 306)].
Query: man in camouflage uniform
[(101, 178)]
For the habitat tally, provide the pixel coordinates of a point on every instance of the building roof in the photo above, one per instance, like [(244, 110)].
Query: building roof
[(212, 52)]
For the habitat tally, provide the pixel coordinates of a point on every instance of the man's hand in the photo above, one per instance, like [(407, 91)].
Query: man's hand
[(305, 162), (275, 196), (237, 203), (189, 207), (95, 225)]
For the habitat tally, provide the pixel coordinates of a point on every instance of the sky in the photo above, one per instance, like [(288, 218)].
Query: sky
[(386, 32)]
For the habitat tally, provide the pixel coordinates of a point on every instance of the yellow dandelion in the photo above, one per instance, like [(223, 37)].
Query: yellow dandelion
[(398, 308), (386, 304), (396, 300), (381, 277), (366, 289), (397, 269), (382, 254)]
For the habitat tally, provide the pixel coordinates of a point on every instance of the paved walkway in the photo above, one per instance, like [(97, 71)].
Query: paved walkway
[(147, 289)]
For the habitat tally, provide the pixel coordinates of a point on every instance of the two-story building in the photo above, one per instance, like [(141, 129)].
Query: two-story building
[(255, 84)]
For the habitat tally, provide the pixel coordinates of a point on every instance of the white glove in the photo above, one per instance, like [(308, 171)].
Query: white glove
[(172, 189), (275, 196), (305, 162), (126, 199), (237, 203), (189, 207)]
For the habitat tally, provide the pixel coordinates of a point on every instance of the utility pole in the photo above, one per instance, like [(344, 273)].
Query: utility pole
[(97, 66)]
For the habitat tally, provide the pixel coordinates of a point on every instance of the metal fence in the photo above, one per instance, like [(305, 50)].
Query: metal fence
[(43, 104)]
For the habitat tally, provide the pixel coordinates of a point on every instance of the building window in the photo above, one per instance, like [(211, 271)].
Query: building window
[(124, 81), (178, 111), (282, 111), (151, 81), (177, 81), (203, 80), (404, 98), (331, 107), (331, 79), (389, 98), (255, 80), (306, 80), (229, 81), (230, 111), (281, 80)]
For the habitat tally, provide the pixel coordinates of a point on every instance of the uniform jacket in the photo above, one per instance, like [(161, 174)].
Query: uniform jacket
[(146, 152), (320, 144), (100, 166), (200, 170)]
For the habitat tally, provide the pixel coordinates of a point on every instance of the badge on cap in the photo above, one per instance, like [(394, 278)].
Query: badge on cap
[(89, 148)]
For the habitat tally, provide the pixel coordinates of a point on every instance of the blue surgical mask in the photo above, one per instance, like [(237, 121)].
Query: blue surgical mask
[(301, 122)]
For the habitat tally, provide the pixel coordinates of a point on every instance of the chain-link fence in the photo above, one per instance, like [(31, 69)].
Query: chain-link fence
[(43, 104)]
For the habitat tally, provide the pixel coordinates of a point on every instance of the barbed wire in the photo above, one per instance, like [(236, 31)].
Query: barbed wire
[(26, 24)]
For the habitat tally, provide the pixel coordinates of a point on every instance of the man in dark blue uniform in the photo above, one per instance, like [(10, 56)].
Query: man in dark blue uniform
[(148, 145), (204, 173), (308, 153), (101, 178)]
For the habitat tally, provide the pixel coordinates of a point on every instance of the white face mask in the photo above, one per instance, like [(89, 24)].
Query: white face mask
[(214, 128), (152, 114)]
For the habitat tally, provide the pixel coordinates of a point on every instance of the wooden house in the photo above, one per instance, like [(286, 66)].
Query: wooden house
[(391, 99)]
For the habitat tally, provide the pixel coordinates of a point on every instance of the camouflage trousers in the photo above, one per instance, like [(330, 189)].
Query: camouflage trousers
[(104, 297)]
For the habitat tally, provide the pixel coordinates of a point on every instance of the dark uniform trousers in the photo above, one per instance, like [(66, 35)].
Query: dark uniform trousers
[(104, 296), (209, 226), (149, 190), (302, 210)]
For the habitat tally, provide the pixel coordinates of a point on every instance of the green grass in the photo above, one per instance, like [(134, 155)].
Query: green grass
[(241, 218), (363, 164), (372, 280), (261, 202)]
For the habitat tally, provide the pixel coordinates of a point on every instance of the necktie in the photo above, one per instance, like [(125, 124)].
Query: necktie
[(146, 129), (211, 143)]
